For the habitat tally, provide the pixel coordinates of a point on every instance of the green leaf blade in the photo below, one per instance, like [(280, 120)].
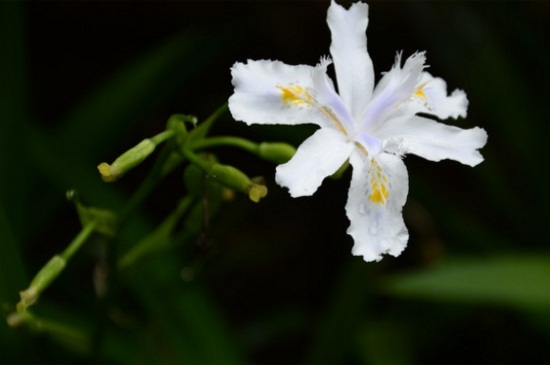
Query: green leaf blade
[(518, 281)]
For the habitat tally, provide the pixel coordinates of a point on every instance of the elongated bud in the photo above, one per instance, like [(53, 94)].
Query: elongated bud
[(127, 161), (41, 280), (277, 152), (233, 178)]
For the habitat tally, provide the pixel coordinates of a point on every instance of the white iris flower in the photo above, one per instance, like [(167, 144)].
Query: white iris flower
[(371, 126)]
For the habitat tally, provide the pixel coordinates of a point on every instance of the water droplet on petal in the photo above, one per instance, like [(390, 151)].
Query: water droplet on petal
[(362, 209)]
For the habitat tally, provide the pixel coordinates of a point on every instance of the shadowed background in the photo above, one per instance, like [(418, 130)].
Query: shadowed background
[(274, 282)]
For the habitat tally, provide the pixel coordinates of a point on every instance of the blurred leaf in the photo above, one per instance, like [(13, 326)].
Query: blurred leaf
[(63, 173), (13, 115), (214, 340), (114, 107), (12, 274), (518, 281), (186, 321), (13, 106), (98, 121), (384, 341), (269, 327), (339, 324), (501, 100)]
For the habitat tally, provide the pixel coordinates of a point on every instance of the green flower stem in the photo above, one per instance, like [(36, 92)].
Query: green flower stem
[(52, 269), (159, 238), (196, 160), (226, 141), (153, 177), (277, 152), (76, 338), (161, 137), (160, 169), (338, 174), (78, 241), (203, 128), (227, 176)]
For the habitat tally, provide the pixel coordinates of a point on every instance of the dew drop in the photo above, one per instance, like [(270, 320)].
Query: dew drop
[(362, 209)]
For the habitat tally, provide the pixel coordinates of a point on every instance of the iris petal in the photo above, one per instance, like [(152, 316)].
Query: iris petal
[(433, 140), (431, 97), (317, 157), (264, 91), (354, 70), (377, 228)]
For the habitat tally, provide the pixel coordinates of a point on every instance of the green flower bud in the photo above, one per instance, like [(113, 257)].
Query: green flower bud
[(277, 152), (127, 161), (235, 179), (230, 177), (44, 277)]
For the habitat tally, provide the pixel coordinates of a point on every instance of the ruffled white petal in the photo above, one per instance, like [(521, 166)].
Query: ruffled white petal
[(431, 97), (433, 140), (377, 228), (317, 157), (259, 93), (354, 70), (393, 91)]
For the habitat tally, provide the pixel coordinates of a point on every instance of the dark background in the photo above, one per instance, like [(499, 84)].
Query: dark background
[(272, 282)]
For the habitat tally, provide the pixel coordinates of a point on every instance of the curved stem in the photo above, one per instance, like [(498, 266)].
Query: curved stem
[(194, 159), (158, 238), (146, 186), (229, 141), (208, 122), (78, 241), (162, 136)]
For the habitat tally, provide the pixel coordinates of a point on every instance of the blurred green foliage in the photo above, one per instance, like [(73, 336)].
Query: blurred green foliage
[(272, 282)]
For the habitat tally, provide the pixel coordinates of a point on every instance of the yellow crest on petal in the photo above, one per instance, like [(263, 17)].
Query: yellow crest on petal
[(295, 95), (379, 182), (419, 93), (302, 96)]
